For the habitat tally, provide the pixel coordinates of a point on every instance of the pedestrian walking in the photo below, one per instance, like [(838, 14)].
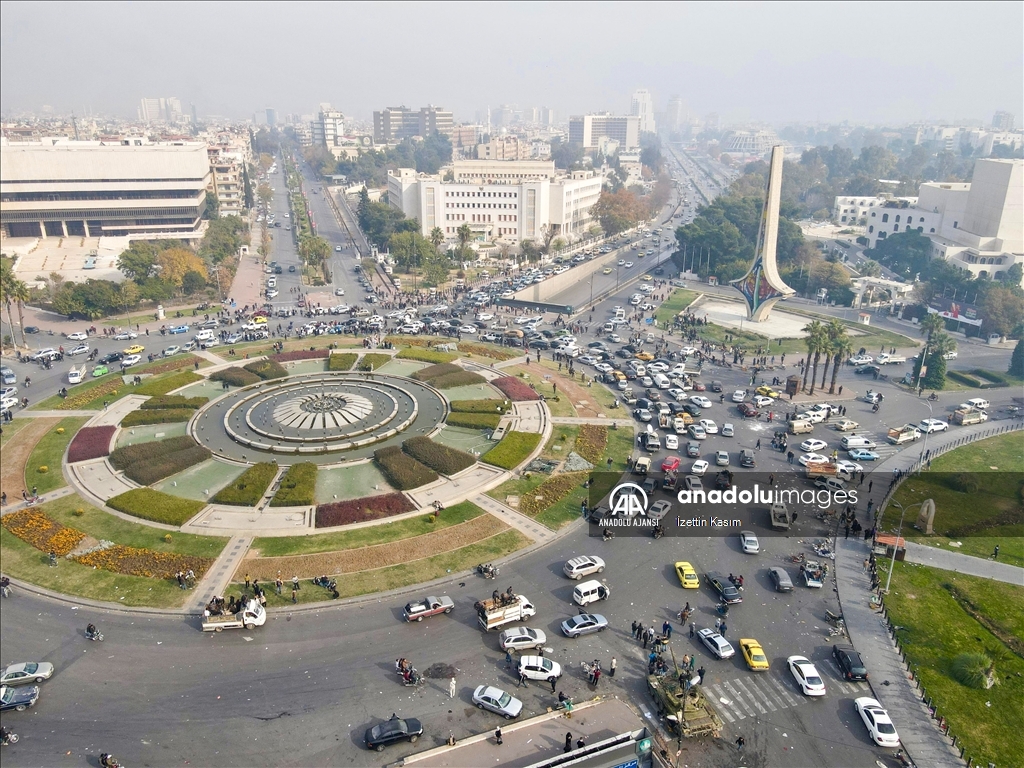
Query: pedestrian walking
[(611, 668), (867, 562), (497, 735), (995, 553), (295, 595), (634, 628), (508, 659), (580, 743), (693, 663), (718, 624), (644, 638), (568, 742), (700, 674), (758, 446), (723, 629), (666, 630), (451, 688), (553, 681), (740, 743), (692, 630), (870, 483), (522, 680)]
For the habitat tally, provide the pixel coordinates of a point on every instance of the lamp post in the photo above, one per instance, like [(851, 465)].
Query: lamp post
[(924, 448), (895, 546)]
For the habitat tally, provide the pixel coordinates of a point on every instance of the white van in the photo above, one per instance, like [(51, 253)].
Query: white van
[(978, 402), (661, 381), (590, 592), (856, 441), (800, 426)]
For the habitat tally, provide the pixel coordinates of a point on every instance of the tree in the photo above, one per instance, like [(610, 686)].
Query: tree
[(618, 211), (175, 262), (265, 193), (1017, 360), (192, 282), (835, 332), (314, 252), (530, 251), (211, 209), (247, 187), (138, 262), (870, 268), (127, 296), (436, 237), (816, 342), (9, 291)]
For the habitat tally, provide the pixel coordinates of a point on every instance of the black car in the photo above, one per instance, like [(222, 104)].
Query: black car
[(716, 386), (20, 698), (676, 408), (692, 409), (622, 353), (596, 345), (31, 329), (723, 587), (780, 579), (872, 369), (396, 729), (539, 344), (849, 662), (693, 450), (113, 357), (659, 271)]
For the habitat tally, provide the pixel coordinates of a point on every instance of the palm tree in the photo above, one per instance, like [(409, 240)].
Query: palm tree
[(816, 342), (835, 330), (842, 347), (7, 281), (436, 237), (932, 324)]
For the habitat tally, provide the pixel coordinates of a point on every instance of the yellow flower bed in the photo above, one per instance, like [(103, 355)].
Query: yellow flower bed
[(144, 562), (35, 528), (74, 402), (591, 442)]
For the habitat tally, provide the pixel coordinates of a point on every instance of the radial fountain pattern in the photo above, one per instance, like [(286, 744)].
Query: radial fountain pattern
[(324, 411)]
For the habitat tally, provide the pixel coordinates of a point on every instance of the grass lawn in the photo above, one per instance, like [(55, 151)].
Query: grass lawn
[(280, 546), (395, 576), (619, 449), (52, 403), (677, 301), (997, 466), (560, 407), (563, 512), (936, 629), (11, 429), (49, 453)]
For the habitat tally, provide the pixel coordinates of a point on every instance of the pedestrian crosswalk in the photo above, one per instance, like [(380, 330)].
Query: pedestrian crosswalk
[(756, 695)]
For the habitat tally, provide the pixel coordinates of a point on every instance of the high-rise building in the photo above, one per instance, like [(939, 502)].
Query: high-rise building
[(547, 116), (395, 124), (328, 127), (1003, 121), (675, 113), (588, 130), (271, 117), (160, 110), (642, 106)]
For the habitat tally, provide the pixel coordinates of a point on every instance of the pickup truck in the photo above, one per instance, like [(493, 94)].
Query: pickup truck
[(642, 466), (908, 433), (503, 610), (814, 575), (428, 606), (75, 375), (780, 515), (885, 359), (251, 616), (967, 416)]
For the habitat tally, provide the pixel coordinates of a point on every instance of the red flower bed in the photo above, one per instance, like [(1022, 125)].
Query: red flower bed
[(515, 389), (358, 510), (90, 443), (300, 354)]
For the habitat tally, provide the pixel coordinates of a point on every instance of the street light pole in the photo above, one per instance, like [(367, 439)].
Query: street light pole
[(895, 546), (924, 448)]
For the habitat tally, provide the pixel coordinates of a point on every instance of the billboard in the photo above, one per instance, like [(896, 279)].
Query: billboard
[(957, 311)]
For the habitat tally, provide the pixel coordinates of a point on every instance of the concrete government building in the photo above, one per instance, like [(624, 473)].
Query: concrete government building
[(63, 188)]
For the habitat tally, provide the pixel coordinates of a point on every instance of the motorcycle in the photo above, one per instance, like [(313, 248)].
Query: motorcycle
[(933, 397), (487, 570), (835, 619), (414, 679), (9, 738), (95, 636), (325, 582)]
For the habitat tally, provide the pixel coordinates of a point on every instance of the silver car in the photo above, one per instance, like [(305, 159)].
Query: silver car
[(19, 674), (715, 643), (497, 701), (584, 624), (522, 638), (578, 567), (748, 540)]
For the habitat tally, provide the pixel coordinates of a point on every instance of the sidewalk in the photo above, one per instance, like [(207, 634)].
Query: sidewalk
[(958, 562)]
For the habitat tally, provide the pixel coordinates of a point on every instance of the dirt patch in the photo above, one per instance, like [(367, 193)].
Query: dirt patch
[(376, 556), (16, 455), (577, 395)]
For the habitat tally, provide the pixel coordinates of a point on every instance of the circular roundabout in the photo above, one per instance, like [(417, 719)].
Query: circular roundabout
[(325, 418)]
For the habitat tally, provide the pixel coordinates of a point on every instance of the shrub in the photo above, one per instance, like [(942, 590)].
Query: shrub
[(440, 458), (415, 341), (341, 361), (145, 562), (591, 442), (358, 510), (127, 455), (156, 506), (249, 488), (169, 416), (512, 450), (426, 355), (460, 379), (300, 354), (236, 377), (403, 472), (174, 401), (35, 528), (434, 371), (43, 470), (159, 467), (90, 443), (550, 492), (372, 361), (169, 384), (473, 420), (480, 350), (481, 406), (297, 487), (971, 669), (514, 389), (266, 369)]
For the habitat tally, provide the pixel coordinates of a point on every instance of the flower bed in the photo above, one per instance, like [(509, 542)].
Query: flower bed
[(481, 350), (156, 506), (359, 510), (90, 443), (481, 406), (174, 364), (174, 401), (144, 562), (416, 341), (35, 528), (159, 416), (440, 458), (512, 450), (171, 383), (436, 371), (297, 487), (127, 455), (300, 354), (426, 355), (460, 379), (74, 401), (516, 390), (249, 488), (402, 472), (165, 465), (341, 361), (473, 420), (236, 377), (551, 491), (372, 361), (266, 369), (591, 442)]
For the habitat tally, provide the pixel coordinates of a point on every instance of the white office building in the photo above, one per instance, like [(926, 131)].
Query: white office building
[(642, 106), (855, 209), (588, 130)]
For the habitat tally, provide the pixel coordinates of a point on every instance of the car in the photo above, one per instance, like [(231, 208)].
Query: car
[(728, 430), (762, 402), (621, 263), (699, 387), (692, 449), (628, 264), (718, 645), (428, 606), (808, 459), (860, 360), (671, 442), (606, 271), (497, 701), (584, 624), (644, 356), (766, 391), (848, 467), (18, 699), (539, 668), (754, 654), (643, 414), (867, 369), (31, 329), (172, 350), (813, 445), (877, 721), (9, 392), (806, 676), (273, 293), (467, 329), (687, 575), (749, 542), (862, 454), (81, 349), (659, 509), (396, 729), (849, 662), (100, 370), (693, 483), (780, 579), (933, 425), (29, 672), (78, 336), (578, 567), (845, 425), (130, 360), (292, 267), (521, 639), (135, 349), (748, 410), (709, 425), (670, 464), (209, 343), (213, 322), (696, 431), (699, 468), (700, 401), (127, 336), (721, 458), (180, 329), (7, 403), (725, 588)]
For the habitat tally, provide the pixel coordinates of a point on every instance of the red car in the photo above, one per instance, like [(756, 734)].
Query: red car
[(698, 387), (747, 410), (671, 464)]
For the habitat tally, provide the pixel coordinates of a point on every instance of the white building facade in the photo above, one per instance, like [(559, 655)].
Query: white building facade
[(642, 106), (588, 130)]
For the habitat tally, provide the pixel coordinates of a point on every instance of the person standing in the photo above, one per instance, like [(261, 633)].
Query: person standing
[(692, 630), (497, 736), (508, 659), (553, 681), (580, 743), (568, 742), (611, 667), (740, 743), (700, 674), (451, 688), (666, 630), (634, 628)]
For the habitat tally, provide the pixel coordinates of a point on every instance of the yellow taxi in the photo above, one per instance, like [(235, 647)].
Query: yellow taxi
[(754, 654), (135, 349), (645, 356), (259, 319), (765, 391), (687, 575), (606, 271)]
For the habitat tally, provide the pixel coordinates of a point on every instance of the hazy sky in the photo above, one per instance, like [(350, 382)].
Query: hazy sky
[(775, 62)]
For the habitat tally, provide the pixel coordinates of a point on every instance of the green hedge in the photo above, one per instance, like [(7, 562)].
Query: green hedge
[(298, 486), (473, 420), (156, 469), (159, 416), (341, 361), (481, 406), (249, 488), (512, 450), (996, 377), (127, 455), (460, 379), (156, 506), (434, 371), (174, 401), (372, 361), (440, 458), (426, 355), (266, 369), (403, 472), (236, 377), (157, 387)]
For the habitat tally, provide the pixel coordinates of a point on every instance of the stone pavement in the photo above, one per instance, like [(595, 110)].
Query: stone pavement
[(958, 562), (217, 579), (526, 525)]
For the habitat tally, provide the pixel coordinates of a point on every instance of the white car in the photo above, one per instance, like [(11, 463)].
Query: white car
[(933, 425), (700, 401), (339, 291), (78, 336), (709, 426), (671, 442), (763, 402), (699, 467), (81, 349), (8, 402), (813, 444), (628, 264), (715, 643), (739, 396), (130, 360), (813, 458), (728, 430), (877, 721), (578, 567), (688, 351), (677, 393), (815, 417), (806, 676), (843, 465), (749, 542), (539, 668), (657, 367), (172, 350), (485, 316), (860, 360), (467, 329), (272, 293), (721, 458), (126, 336), (497, 701), (522, 639)]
